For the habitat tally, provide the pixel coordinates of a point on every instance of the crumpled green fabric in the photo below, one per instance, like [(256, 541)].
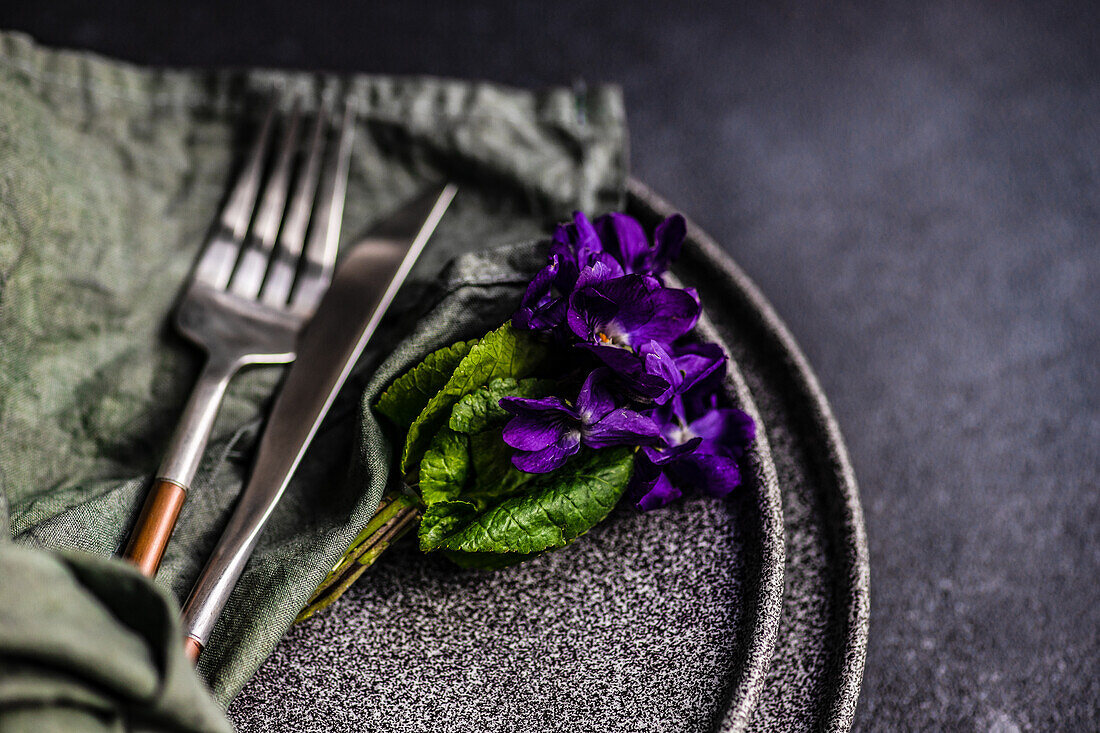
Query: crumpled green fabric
[(110, 176), (87, 644)]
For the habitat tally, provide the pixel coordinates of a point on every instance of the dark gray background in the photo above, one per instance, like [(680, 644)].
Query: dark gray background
[(916, 187)]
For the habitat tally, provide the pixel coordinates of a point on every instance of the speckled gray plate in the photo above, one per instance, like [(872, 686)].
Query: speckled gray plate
[(693, 618)]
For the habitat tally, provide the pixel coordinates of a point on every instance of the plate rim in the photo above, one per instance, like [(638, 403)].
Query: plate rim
[(850, 528), (767, 572)]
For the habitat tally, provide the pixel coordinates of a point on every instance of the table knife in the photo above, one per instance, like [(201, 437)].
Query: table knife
[(365, 283)]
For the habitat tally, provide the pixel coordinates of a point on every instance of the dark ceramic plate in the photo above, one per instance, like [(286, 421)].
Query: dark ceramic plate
[(738, 615)]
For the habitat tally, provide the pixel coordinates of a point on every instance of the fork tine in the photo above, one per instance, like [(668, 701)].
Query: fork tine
[(216, 264), (280, 276), (324, 236), (249, 275)]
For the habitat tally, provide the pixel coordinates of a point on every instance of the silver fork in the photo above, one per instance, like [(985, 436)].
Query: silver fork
[(250, 294)]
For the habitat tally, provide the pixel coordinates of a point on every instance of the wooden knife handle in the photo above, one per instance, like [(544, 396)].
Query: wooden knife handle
[(154, 525), (192, 647)]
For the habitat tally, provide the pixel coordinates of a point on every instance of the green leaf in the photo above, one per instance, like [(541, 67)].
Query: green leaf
[(480, 510), (481, 410), (555, 509), (409, 393), (445, 467), (495, 476), (442, 519), (486, 560), (504, 352), (448, 467)]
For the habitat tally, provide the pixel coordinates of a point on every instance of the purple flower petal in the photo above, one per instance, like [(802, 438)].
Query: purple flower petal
[(539, 310), (631, 310), (618, 359), (622, 427), (538, 423), (603, 267), (630, 288), (529, 433), (568, 269), (630, 373), (659, 363), (668, 238), (656, 494), (585, 239), (539, 287), (525, 405), (725, 431), (698, 362), (650, 485), (603, 423), (550, 457), (624, 237), (649, 311), (588, 311), (595, 399), (665, 455), (714, 475), (577, 245)]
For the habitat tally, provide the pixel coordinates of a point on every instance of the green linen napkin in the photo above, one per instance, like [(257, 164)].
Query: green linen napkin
[(110, 176), (87, 644)]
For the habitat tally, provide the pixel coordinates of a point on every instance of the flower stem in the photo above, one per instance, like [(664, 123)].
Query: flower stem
[(396, 515)]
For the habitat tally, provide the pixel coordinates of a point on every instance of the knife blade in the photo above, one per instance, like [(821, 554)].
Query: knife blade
[(365, 283)]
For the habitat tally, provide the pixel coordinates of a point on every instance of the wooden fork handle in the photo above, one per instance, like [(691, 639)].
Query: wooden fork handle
[(154, 525), (192, 647)]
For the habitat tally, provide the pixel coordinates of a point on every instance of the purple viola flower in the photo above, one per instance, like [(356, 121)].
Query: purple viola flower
[(582, 254), (576, 254), (546, 432), (615, 318), (633, 379), (624, 238), (655, 373), (650, 483), (703, 443), (626, 312), (577, 246), (721, 431), (541, 307), (683, 368)]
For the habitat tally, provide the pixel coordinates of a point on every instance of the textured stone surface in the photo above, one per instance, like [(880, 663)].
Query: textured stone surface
[(915, 188)]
